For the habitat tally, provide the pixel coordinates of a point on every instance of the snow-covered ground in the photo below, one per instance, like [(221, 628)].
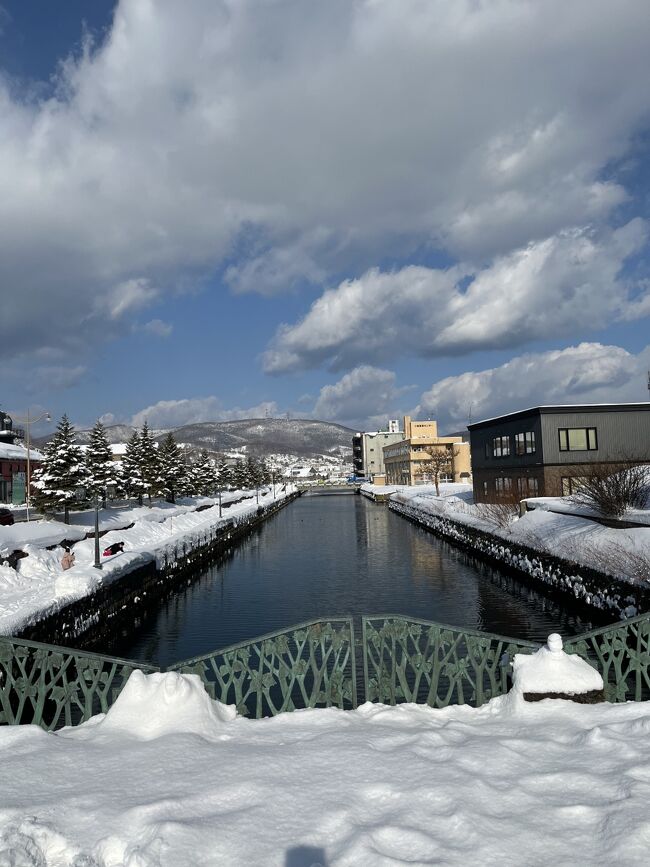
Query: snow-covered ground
[(447, 489), (39, 586), (624, 553), (169, 778)]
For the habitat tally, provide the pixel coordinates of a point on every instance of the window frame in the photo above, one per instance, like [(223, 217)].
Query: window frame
[(498, 451), (591, 439)]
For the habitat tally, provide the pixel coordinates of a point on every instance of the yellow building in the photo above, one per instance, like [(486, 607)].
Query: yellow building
[(405, 461)]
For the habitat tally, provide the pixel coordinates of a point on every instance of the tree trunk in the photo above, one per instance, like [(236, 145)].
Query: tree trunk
[(436, 479), (66, 514)]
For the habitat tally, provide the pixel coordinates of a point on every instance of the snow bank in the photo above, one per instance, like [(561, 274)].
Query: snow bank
[(36, 533), (545, 783), (39, 586), (622, 553)]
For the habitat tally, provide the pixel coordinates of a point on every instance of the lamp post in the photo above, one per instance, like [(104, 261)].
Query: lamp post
[(219, 493), (273, 482), (28, 422), (98, 563)]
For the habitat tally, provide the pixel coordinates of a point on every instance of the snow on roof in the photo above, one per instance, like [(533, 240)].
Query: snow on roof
[(9, 452), (559, 407)]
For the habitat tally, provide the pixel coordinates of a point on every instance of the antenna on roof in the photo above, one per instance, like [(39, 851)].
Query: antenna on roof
[(469, 414), (649, 383)]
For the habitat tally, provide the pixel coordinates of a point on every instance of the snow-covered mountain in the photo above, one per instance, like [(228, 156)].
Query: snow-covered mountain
[(259, 436), (262, 436)]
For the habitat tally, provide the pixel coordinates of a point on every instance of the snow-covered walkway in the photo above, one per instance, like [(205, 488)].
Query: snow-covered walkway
[(170, 779)]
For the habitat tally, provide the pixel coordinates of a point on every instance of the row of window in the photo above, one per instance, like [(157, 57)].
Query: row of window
[(500, 446), (571, 439), (526, 486)]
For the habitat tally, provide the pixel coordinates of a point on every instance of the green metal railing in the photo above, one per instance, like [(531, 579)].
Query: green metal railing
[(309, 665), (430, 663), (57, 686), (621, 653), (316, 664)]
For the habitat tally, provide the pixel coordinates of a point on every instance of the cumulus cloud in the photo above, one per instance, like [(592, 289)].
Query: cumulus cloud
[(158, 328), (549, 287), (587, 373), (339, 133), (364, 396), (175, 413)]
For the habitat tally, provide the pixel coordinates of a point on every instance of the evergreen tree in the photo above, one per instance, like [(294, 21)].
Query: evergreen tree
[(264, 472), (100, 466), (150, 468), (239, 476), (132, 479), (62, 473), (204, 475), (172, 469), (224, 474), (252, 471)]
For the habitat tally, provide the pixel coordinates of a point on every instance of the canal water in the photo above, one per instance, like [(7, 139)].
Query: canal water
[(326, 556)]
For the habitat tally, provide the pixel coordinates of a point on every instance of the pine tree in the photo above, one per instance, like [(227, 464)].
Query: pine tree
[(100, 466), (62, 473), (150, 464), (172, 469), (132, 479), (204, 475), (252, 471), (224, 475), (239, 476)]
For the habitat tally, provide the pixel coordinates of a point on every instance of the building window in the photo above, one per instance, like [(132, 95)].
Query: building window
[(527, 486), (525, 443), (571, 485), (486, 489), (503, 486), (501, 447), (578, 439)]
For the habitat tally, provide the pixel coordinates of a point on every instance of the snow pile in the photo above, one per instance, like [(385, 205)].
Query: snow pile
[(39, 533), (550, 669), (167, 786), (153, 705)]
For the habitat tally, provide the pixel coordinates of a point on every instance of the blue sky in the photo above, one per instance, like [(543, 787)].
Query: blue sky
[(218, 209)]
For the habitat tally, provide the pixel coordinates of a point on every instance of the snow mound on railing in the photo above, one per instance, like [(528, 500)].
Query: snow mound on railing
[(154, 705)]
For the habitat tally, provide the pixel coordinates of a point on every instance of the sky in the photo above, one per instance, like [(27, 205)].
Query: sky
[(346, 211)]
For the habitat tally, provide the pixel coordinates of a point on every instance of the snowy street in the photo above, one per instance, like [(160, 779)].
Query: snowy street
[(170, 779)]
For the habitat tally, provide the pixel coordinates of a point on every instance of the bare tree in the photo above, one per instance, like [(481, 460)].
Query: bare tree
[(441, 460), (612, 489), (503, 511)]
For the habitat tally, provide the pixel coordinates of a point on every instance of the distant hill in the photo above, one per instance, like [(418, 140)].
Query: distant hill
[(302, 437)]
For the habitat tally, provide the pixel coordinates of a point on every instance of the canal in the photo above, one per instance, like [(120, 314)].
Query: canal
[(326, 556)]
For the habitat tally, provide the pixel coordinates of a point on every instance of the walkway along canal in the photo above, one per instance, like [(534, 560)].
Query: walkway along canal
[(328, 556)]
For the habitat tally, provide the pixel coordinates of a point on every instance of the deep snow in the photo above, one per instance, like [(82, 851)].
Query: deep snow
[(169, 778)]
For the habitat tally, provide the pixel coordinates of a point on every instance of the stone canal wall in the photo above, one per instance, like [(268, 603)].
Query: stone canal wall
[(89, 620), (589, 589)]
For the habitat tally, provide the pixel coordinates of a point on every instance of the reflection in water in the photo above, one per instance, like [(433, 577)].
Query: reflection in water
[(335, 556)]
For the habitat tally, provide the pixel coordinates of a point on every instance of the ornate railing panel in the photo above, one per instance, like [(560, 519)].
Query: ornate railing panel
[(406, 659), (56, 686), (621, 653), (310, 665)]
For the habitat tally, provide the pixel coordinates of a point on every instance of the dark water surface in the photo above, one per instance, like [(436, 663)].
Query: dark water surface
[(326, 556)]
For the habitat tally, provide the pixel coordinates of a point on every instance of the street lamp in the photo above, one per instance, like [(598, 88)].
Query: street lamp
[(28, 422)]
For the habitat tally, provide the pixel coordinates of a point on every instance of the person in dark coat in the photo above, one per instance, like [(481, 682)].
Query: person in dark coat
[(115, 548)]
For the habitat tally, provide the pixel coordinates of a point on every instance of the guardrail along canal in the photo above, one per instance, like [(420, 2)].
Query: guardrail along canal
[(324, 556)]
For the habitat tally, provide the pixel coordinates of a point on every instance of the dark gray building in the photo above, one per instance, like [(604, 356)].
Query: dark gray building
[(543, 451)]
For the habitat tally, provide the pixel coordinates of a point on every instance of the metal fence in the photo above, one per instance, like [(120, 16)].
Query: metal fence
[(57, 686), (309, 665), (317, 664)]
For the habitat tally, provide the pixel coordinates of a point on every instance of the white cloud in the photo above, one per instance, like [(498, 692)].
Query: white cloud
[(339, 133), (587, 373), (175, 413), (158, 328), (549, 288), (362, 396), (57, 377)]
